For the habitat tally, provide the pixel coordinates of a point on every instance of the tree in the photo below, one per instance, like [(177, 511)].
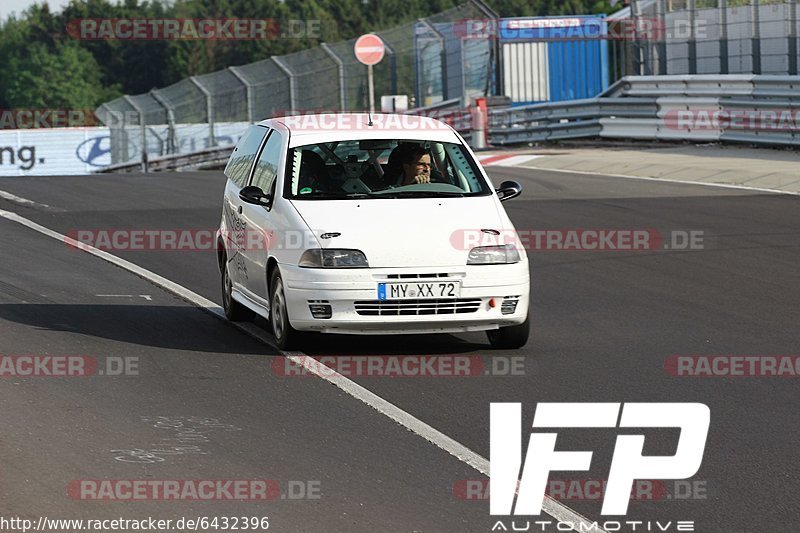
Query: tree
[(42, 62), (67, 77)]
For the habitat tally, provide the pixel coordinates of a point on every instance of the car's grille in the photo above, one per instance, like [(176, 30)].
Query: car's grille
[(440, 306), (419, 276)]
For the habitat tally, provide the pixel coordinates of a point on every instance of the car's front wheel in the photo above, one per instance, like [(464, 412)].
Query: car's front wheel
[(234, 311), (510, 337), (285, 335)]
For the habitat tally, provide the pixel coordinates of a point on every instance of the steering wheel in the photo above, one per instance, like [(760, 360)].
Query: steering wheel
[(438, 177)]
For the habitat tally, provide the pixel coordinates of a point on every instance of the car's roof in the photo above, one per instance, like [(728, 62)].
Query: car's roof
[(331, 127)]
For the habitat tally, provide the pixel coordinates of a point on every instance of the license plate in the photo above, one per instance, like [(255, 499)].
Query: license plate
[(419, 290)]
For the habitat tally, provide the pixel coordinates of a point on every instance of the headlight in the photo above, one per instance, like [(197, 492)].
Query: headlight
[(493, 255), (332, 258)]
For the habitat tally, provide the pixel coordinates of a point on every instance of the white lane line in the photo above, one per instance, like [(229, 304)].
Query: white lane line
[(550, 506), (667, 180), (21, 201), (145, 296)]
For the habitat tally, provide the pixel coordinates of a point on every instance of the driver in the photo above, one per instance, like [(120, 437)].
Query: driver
[(416, 166)]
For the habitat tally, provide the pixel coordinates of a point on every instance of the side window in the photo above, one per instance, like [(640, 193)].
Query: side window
[(240, 162), (267, 166)]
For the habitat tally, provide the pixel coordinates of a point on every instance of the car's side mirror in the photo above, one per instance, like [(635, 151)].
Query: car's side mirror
[(254, 195), (508, 190)]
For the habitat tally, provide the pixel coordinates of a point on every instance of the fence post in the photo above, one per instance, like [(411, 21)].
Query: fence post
[(661, 34), (292, 88), (114, 132), (756, 39), (792, 37), (248, 91), (637, 61), (170, 121), (722, 7), (342, 82), (692, 44), (212, 141), (392, 65), (142, 130)]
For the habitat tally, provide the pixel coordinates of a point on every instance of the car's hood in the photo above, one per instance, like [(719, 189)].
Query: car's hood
[(418, 232)]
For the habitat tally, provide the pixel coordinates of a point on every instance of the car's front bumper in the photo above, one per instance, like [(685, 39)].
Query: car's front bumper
[(353, 297)]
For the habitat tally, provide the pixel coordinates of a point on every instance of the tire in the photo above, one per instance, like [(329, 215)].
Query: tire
[(510, 337), (285, 335), (234, 311)]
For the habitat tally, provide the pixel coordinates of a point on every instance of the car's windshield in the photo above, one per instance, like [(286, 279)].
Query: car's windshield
[(382, 169)]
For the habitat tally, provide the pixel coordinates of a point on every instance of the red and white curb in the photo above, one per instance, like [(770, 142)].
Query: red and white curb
[(505, 160)]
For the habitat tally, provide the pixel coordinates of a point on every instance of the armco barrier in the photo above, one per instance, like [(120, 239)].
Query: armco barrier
[(629, 128), (563, 120), (691, 86), (188, 161), (668, 129), (648, 107), (787, 135)]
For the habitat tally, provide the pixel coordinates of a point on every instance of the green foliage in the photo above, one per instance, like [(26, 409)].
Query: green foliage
[(43, 65), (64, 76)]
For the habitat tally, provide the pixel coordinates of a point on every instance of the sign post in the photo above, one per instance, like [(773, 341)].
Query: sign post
[(369, 50)]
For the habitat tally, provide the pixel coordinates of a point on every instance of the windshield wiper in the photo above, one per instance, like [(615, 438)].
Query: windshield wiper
[(422, 194), (321, 195)]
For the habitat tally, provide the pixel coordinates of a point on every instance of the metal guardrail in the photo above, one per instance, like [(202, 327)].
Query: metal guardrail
[(694, 86), (563, 120), (732, 85), (754, 109), (186, 161)]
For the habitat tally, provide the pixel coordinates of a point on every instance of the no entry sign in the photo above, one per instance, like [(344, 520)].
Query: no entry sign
[(369, 49)]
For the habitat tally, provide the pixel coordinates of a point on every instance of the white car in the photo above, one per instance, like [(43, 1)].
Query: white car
[(369, 224)]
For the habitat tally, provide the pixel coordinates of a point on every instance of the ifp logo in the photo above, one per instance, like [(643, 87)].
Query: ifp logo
[(627, 464)]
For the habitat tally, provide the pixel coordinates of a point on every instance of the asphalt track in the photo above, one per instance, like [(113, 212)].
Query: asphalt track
[(604, 323)]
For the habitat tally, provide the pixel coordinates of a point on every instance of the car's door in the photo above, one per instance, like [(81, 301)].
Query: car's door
[(234, 228), (258, 218)]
